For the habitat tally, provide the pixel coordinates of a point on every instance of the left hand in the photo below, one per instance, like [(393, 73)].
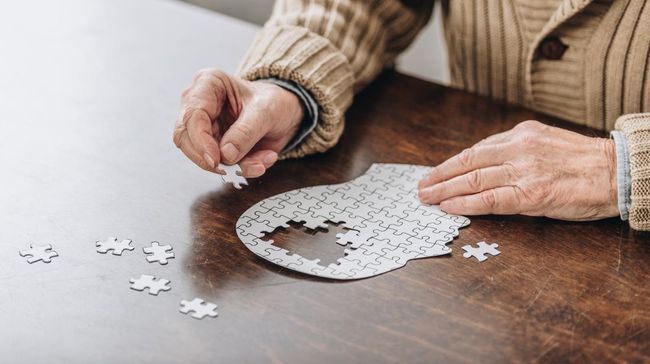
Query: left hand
[(532, 169)]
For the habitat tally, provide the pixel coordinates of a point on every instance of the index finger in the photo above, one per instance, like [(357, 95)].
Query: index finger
[(478, 156), (201, 105)]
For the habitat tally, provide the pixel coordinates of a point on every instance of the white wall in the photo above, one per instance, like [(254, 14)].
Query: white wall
[(426, 58)]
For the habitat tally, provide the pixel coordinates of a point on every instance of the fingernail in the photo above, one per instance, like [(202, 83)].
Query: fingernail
[(270, 159), (229, 152), (209, 160)]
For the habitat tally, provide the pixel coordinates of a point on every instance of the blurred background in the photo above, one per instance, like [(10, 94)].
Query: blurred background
[(426, 58)]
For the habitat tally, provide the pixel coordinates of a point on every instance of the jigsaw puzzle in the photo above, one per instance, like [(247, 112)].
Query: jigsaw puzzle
[(480, 252), (158, 253), (112, 244), (387, 224), (35, 253), (146, 281), (199, 308), (233, 175)]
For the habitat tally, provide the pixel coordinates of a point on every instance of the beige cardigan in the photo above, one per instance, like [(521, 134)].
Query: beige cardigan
[(334, 47)]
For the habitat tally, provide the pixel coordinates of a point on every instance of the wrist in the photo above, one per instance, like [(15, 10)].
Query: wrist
[(609, 150), (294, 108)]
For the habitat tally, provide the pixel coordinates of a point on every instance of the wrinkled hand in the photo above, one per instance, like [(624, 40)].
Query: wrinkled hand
[(533, 169), (230, 120)]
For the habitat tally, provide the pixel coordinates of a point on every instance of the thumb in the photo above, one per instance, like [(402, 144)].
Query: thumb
[(242, 136)]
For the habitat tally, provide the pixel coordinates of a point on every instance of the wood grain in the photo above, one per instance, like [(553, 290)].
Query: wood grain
[(87, 154)]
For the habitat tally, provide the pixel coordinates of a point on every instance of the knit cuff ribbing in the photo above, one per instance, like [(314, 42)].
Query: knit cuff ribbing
[(636, 128), (311, 61)]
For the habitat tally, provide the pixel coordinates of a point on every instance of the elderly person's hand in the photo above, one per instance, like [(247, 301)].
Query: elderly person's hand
[(230, 120), (533, 169)]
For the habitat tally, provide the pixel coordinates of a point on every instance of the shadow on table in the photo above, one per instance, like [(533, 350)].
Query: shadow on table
[(218, 258)]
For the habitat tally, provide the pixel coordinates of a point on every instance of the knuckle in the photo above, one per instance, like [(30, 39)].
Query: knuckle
[(474, 179), (245, 132), (489, 199), (528, 125), (527, 140), (435, 171), (510, 171), (176, 137), (205, 72), (179, 131), (441, 188), (466, 157)]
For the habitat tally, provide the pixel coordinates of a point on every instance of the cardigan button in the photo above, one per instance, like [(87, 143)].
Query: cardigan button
[(552, 48)]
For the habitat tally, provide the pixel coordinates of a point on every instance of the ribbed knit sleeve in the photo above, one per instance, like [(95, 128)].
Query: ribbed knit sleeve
[(636, 128), (332, 48)]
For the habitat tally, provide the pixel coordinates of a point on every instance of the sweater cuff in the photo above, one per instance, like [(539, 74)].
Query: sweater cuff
[(295, 54), (309, 121), (623, 177), (636, 128)]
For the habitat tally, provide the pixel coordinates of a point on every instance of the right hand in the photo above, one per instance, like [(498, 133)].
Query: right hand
[(228, 120)]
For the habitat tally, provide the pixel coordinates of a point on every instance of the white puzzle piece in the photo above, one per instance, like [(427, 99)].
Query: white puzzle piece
[(481, 251), (199, 308), (154, 285), (233, 175), (112, 244), (35, 253), (158, 253), (387, 224)]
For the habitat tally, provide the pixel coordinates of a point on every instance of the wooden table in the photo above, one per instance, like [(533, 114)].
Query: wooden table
[(89, 93)]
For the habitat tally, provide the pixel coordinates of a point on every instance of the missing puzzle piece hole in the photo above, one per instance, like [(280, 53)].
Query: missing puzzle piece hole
[(311, 244)]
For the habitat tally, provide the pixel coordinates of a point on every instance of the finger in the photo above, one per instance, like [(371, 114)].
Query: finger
[(468, 160), (200, 131), (475, 181), (201, 104), (242, 136), (190, 152), (501, 200), (255, 164)]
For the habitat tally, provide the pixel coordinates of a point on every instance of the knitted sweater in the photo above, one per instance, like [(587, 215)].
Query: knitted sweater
[(587, 61)]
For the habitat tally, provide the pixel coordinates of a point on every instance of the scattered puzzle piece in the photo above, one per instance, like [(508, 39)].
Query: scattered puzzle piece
[(199, 308), (35, 253), (233, 175), (480, 252), (147, 281), (111, 244), (158, 253), (387, 224)]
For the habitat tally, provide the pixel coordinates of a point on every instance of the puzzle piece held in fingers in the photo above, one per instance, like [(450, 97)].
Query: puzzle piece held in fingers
[(233, 175)]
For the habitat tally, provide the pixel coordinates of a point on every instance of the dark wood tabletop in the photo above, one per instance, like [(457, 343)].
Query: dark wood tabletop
[(89, 94)]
